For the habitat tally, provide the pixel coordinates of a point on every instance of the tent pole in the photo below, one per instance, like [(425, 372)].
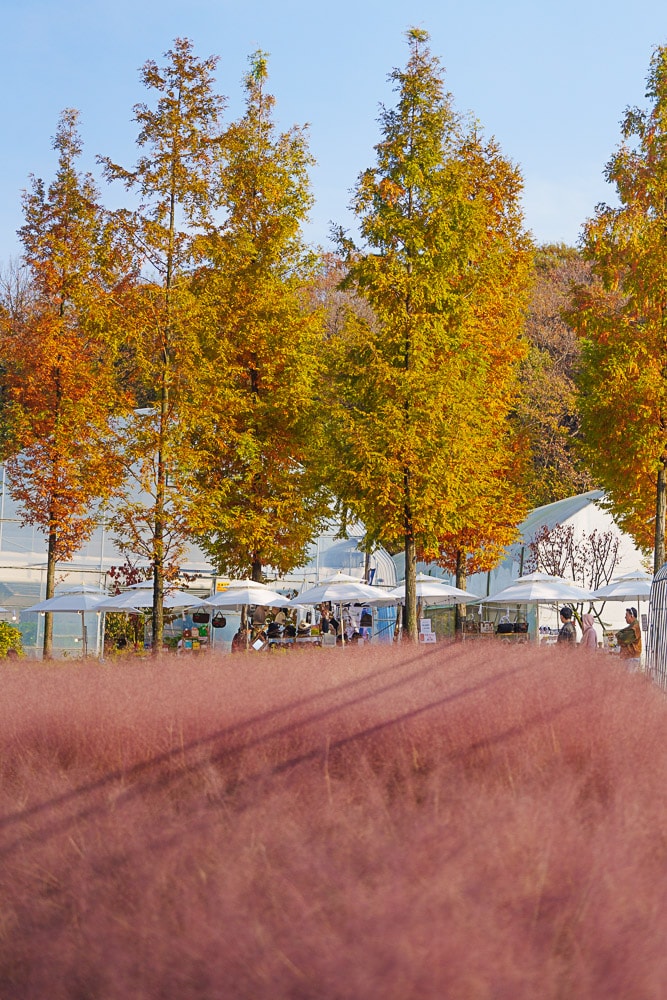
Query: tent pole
[(84, 643)]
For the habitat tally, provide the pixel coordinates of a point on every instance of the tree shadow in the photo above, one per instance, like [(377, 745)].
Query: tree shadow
[(150, 776)]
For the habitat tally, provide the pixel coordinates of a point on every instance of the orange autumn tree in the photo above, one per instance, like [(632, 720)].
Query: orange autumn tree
[(622, 322), (491, 525), (179, 141), (495, 502), (255, 501), (57, 353), (419, 399), (547, 412)]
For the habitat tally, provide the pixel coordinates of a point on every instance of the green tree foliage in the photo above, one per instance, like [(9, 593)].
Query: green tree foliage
[(546, 414), (58, 355), (420, 400), (180, 141), (622, 320), (255, 501)]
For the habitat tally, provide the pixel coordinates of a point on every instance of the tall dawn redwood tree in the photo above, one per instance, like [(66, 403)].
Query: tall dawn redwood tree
[(419, 397), (255, 501), (58, 353), (622, 320), (180, 141)]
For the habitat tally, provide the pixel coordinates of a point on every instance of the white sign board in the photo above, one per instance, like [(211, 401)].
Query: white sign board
[(424, 625)]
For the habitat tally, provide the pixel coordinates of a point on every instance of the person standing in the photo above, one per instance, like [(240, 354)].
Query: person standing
[(630, 641), (567, 631), (259, 616), (589, 637)]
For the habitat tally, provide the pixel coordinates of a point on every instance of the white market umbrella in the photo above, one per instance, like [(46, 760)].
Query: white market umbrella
[(139, 596), (76, 602), (539, 588), (629, 586), (342, 592), (339, 578), (83, 588), (123, 602), (250, 593), (433, 591), (226, 585), (261, 591), (427, 578), (136, 598)]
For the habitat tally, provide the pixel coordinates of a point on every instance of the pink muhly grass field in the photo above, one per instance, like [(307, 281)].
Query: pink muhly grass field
[(457, 821)]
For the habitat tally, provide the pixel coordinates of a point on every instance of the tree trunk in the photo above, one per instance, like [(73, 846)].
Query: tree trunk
[(158, 527), (47, 647), (256, 571), (399, 622), (660, 515), (157, 622), (410, 609), (460, 610)]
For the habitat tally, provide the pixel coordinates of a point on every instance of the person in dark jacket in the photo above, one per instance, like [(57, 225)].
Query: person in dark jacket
[(567, 631)]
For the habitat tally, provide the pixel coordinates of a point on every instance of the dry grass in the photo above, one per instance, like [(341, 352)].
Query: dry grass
[(466, 821)]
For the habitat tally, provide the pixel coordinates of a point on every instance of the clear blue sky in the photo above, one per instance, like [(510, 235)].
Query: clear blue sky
[(549, 80)]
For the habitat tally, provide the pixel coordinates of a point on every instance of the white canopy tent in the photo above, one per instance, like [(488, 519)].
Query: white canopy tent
[(630, 586), (341, 591), (73, 601), (250, 593), (433, 591), (253, 593), (137, 598), (539, 589)]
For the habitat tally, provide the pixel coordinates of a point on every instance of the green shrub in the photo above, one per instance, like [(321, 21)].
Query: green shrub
[(10, 638)]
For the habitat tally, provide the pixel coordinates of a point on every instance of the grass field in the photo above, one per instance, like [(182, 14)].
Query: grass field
[(466, 821)]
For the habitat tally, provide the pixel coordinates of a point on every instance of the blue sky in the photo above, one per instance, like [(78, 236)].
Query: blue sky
[(549, 80)]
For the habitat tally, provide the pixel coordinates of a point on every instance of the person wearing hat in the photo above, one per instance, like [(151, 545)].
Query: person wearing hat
[(567, 631), (630, 641)]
